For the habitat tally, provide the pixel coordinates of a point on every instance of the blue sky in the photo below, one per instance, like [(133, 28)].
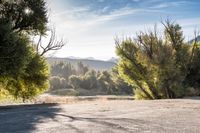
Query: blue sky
[(90, 26)]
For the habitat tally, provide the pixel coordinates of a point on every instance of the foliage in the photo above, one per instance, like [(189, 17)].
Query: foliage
[(158, 67), (63, 70), (193, 78), (81, 69), (75, 81), (121, 86), (86, 81), (89, 80), (23, 72), (57, 82), (14, 51), (26, 15), (33, 80)]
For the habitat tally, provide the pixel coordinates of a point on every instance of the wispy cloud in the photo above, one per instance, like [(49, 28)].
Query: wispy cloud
[(161, 5), (88, 16), (136, 0), (72, 11), (105, 9), (101, 0), (84, 17), (87, 26), (190, 22)]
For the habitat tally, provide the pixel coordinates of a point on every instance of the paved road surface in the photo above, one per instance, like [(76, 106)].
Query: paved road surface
[(103, 116)]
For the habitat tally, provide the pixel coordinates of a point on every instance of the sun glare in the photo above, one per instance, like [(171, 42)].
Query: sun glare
[(27, 11)]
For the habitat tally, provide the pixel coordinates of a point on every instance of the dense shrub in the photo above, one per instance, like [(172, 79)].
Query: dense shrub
[(159, 66)]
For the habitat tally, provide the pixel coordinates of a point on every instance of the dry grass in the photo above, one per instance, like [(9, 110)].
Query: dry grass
[(75, 99)]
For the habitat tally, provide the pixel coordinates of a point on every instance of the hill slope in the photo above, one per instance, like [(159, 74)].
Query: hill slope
[(198, 39), (93, 64)]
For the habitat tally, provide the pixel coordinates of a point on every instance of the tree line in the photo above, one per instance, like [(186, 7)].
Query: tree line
[(80, 77)]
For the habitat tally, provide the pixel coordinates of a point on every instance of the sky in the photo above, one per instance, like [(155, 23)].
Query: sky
[(89, 27)]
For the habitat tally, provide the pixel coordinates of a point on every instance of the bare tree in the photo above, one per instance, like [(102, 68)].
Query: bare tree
[(52, 45)]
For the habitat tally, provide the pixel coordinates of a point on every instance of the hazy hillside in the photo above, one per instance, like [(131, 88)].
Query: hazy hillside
[(93, 64), (198, 39)]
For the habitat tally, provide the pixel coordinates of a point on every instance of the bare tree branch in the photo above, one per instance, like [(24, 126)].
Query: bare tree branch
[(52, 45)]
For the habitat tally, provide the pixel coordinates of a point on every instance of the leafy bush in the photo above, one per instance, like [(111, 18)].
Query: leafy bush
[(23, 72), (159, 67)]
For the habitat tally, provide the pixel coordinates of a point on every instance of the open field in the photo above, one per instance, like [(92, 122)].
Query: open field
[(104, 116)]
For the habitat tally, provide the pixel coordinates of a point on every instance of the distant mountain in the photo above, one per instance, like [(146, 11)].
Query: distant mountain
[(198, 39), (93, 64), (90, 58), (73, 57), (113, 59)]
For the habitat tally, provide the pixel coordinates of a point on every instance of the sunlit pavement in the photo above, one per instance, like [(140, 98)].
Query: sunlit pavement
[(103, 116)]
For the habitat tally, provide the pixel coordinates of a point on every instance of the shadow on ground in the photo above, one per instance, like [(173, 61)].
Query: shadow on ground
[(118, 124), (26, 118), (122, 116), (23, 118)]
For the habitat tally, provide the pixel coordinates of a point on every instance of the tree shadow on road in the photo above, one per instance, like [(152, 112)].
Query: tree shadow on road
[(23, 118), (114, 123), (27, 118)]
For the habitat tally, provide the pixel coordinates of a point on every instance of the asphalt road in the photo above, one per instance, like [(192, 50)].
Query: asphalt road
[(103, 116)]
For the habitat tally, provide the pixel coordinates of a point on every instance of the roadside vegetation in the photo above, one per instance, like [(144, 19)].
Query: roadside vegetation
[(160, 66)]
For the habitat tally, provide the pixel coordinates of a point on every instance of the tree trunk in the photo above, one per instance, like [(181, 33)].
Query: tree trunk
[(143, 90), (153, 90)]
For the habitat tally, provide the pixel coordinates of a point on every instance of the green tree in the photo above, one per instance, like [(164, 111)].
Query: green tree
[(23, 70), (26, 15), (121, 87), (57, 82), (155, 66), (193, 76), (75, 81), (14, 51), (63, 70), (106, 83), (89, 80), (33, 81), (81, 69)]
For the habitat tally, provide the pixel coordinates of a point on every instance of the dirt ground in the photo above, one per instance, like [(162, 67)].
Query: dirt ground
[(104, 116)]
